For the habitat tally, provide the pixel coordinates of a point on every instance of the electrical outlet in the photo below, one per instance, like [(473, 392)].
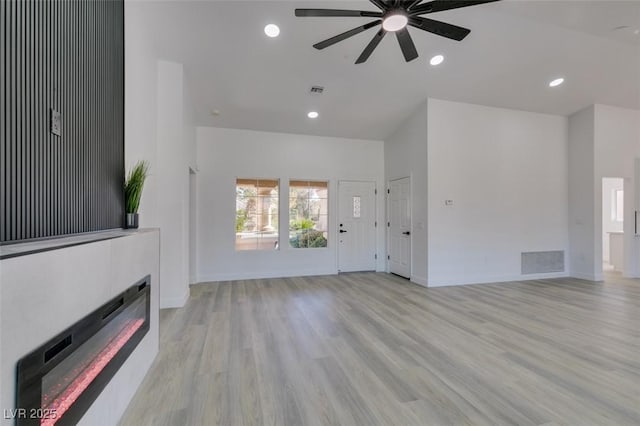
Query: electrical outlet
[(55, 122)]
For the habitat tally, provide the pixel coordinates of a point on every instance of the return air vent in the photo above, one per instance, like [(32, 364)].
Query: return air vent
[(540, 262), (317, 90)]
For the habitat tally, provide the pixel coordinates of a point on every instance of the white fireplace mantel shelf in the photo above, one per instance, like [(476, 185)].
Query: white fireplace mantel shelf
[(10, 250)]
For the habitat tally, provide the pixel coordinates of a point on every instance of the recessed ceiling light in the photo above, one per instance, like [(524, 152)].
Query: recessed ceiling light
[(556, 82), (436, 60), (395, 22), (312, 114), (272, 30)]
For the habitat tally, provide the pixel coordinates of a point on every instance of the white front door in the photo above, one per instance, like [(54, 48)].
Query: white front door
[(356, 226), (400, 227)]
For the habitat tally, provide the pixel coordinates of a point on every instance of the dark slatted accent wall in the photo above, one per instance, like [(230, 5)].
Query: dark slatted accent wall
[(69, 56)]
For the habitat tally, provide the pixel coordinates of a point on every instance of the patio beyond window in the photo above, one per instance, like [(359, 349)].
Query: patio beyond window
[(308, 213), (257, 214)]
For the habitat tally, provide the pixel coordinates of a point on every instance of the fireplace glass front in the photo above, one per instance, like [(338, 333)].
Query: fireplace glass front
[(58, 382)]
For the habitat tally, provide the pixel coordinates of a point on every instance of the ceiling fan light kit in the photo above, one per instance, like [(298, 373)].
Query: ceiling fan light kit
[(395, 16), (395, 22)]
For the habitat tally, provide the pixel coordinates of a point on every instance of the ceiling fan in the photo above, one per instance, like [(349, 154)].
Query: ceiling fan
[(395, 15)]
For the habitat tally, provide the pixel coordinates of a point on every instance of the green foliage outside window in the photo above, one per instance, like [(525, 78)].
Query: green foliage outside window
[(300, 224), (308, 238), (241, 219), (308, 214)]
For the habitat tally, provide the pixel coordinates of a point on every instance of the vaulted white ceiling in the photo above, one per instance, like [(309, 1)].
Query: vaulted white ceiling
[(515, 48)]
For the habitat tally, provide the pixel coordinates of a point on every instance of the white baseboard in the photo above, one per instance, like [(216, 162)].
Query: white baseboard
[(253, 275), (419, 280), (587, 276), (451, 281), (174, 302), (445, 282)]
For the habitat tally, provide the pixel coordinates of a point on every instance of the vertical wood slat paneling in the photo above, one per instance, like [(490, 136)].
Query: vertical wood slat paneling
[(3, 105), (69, 56), (19, 117)]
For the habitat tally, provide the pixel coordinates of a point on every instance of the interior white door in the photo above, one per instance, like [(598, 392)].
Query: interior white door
[(400, 227), (356, 226)]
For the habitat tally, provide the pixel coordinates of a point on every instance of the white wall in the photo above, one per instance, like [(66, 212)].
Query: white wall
[(141, 77), (604, 141), (160, 128), (189, 223), (172, 174), (405, 155), (506, 172), (582, 201), (609, 224), (616, 146), (225, 154)]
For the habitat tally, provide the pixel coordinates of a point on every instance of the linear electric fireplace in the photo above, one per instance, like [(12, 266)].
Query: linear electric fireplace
[(59, 381)]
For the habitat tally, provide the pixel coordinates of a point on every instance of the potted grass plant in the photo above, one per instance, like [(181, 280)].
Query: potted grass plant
[(133, 191)]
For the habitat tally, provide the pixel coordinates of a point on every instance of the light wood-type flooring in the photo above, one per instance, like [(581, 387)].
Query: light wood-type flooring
[(374, 349)]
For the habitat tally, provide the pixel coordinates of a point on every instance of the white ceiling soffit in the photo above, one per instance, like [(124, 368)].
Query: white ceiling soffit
[(514, 50)]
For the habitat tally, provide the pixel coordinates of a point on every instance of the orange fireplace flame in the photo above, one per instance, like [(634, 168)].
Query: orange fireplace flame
[(66, 398)]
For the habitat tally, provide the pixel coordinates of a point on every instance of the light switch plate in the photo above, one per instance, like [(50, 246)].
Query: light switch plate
[(55, 121)]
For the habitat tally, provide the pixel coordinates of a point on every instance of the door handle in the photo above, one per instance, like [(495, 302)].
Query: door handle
[(342, 231), (406, 233)]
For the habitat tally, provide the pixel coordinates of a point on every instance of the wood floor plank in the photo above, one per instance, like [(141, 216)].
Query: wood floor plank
[(374, 349)]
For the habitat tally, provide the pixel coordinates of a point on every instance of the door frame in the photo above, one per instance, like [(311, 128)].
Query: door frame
[(193, 226), (336, 234), (388, 227)]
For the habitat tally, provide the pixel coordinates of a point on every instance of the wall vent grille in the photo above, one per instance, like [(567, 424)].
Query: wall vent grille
[(540, 262)]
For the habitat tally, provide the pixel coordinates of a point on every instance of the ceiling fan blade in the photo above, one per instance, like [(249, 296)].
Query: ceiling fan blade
[(371, 46), (336, 12), (440, 5), (440, 28), (380, 4), (406, 44), (410, 4), (333, 40)]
